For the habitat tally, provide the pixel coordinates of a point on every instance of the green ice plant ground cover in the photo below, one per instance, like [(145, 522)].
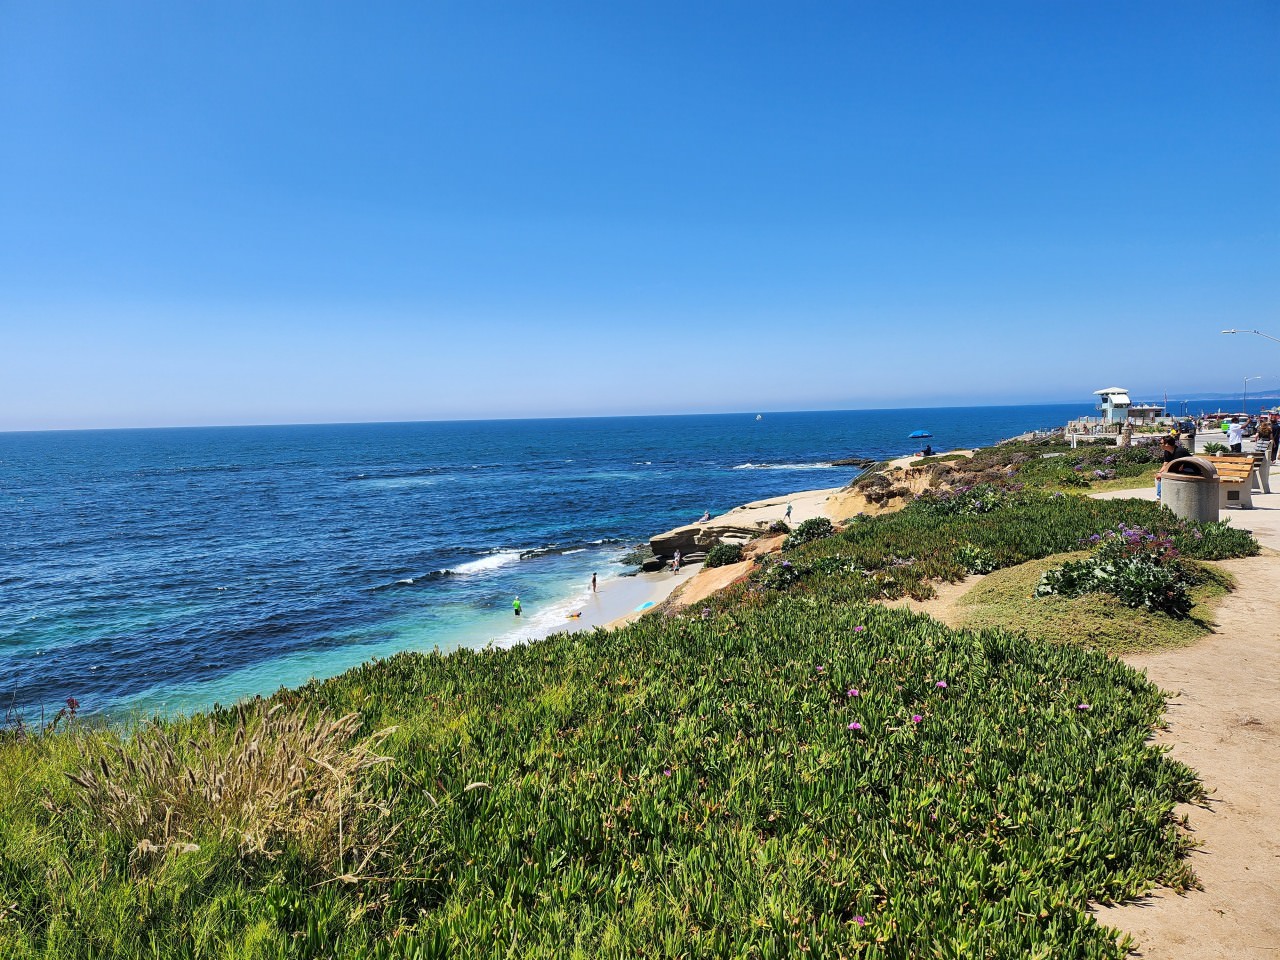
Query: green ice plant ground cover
[(784, 772)]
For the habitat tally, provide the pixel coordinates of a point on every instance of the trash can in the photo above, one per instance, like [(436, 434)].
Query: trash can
[(1190, 489)]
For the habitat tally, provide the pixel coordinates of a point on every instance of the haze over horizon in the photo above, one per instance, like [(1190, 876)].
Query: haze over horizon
[(312, 213)]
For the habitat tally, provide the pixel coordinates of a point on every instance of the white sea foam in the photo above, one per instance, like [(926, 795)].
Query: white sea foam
[(484, 564), (579, 550), (783, 466)]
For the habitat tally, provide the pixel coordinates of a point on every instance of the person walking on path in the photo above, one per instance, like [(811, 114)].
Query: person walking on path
[(786, 517), (515, 605), (675, 563), (593, 583)]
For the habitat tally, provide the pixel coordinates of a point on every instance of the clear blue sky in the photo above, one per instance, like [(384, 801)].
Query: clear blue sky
[(284, 212)]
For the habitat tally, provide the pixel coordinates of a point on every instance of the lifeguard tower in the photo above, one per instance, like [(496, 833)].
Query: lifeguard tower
[(1113, 404)]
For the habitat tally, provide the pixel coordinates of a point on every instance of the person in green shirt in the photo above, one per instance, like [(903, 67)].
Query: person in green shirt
[(515, 605)]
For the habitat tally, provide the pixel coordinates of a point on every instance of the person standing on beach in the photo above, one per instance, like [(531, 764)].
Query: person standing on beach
[(515, 605), (786, 518), (593, 583)]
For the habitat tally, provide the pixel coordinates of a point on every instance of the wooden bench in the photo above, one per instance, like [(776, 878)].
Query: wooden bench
[(1235, 478)]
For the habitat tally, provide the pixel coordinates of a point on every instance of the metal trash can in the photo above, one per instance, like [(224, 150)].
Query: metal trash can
[(1190, 489)]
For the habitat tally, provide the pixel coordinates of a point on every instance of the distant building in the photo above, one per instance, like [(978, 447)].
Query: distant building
[(1114, 404), (1145, 412)]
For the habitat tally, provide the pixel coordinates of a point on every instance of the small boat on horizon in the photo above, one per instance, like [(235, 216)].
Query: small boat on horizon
[(759, 416)]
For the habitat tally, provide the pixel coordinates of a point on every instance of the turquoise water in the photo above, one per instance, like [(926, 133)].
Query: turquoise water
[(165, 570)]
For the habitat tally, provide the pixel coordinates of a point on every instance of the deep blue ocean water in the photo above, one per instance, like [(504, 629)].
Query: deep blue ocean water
[(151, 571)]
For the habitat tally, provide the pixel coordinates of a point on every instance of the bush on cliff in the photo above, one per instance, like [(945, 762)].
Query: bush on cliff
[(723, 554), (815, 528)]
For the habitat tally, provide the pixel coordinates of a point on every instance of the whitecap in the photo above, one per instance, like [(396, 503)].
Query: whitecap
[(484, 564), (783, 466)]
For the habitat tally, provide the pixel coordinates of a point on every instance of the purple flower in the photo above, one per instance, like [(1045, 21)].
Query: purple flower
[(821, 668), (941, 684), (855, 725), (860, 921), (852, 692), (666, 772), (858, 629), (916, 718), (1084, 706)]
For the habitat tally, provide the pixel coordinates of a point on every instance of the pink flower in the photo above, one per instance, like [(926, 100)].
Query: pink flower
[(1084, 706), (852, 692), (855, 725), (821, 668), (666, 772), (860, 921), (941, 684), (858, 629), (916, 718)]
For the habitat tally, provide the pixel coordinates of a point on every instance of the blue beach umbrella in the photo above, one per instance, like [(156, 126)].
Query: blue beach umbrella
[(919, 435)]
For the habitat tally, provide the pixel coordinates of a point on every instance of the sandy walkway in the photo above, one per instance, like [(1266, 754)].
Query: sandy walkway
[(1224, 722)]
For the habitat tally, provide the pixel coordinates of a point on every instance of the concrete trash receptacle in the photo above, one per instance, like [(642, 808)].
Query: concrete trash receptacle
[(1190, 489)]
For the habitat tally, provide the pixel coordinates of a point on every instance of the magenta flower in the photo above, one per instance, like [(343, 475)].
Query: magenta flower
[(916, 718), (941, 684), (855, 725), (666, 772), (860, 921), (858, 629), (821, 668), (1084, 706), (852, 692)]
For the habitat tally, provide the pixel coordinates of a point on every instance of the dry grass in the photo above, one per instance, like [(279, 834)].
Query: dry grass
[(280, 775)]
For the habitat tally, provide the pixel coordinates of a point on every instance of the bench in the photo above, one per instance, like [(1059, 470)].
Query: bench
[(1235, 478)]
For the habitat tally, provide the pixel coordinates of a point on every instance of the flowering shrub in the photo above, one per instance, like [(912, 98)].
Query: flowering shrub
[(779, 575), (1141, 568), (813, 529)]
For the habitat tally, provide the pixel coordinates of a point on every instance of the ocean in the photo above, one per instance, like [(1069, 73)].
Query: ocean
[(159, 571)]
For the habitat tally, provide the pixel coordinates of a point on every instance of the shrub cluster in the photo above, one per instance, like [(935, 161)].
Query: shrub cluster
[(812, 529), (1140, 568), (723, 554)]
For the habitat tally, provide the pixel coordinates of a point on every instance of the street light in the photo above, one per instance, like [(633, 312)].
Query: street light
[(1258, 333), (1244, 398)]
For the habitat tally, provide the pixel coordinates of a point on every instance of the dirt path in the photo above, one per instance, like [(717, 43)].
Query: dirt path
[(942, 606)]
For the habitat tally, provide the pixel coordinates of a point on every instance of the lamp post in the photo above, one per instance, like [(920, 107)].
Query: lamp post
[(1244, 394), (1255, 332)]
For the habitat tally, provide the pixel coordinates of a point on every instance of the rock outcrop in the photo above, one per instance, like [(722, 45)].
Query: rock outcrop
[(695, 539)]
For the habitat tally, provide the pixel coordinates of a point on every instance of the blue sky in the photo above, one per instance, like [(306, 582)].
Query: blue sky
[(273, 212)]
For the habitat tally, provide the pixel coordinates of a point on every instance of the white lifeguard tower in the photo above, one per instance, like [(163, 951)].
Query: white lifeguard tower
[(1114, 404)]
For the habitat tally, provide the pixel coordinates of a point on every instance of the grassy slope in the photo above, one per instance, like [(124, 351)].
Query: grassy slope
[(680, 787), (1006, 599)]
